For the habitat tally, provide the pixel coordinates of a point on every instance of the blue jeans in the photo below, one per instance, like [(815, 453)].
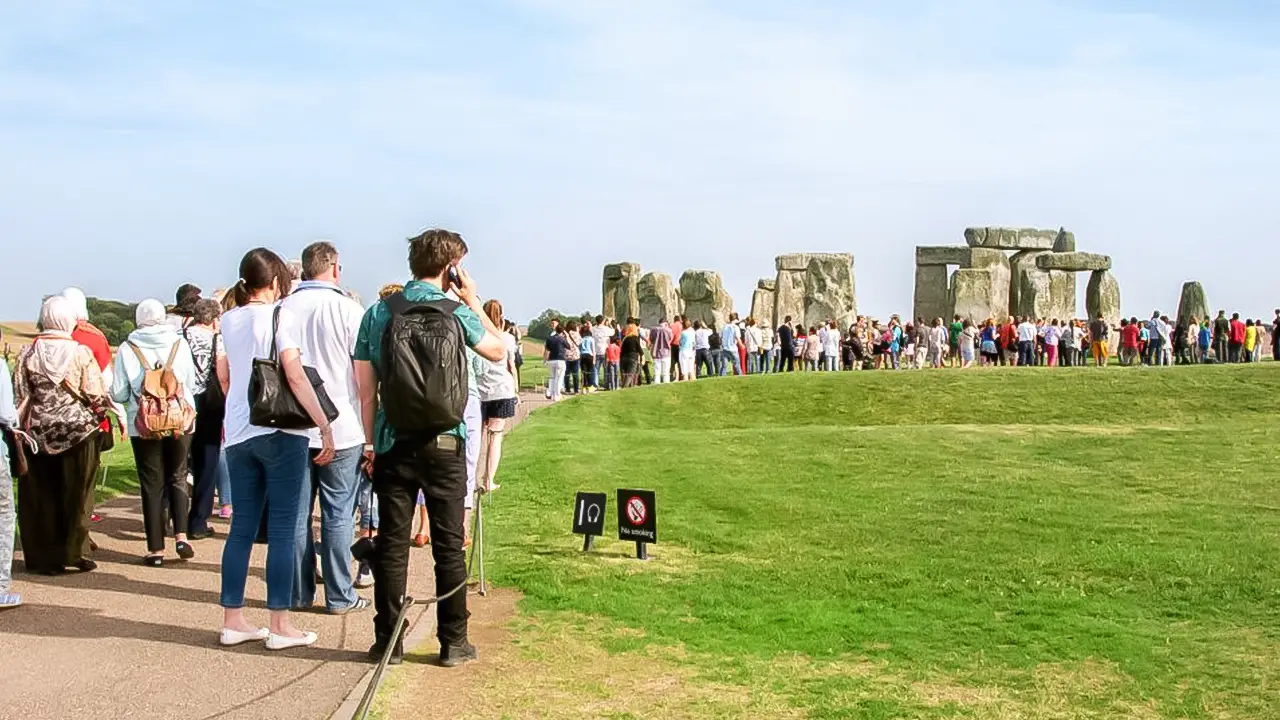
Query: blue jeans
[(224, 479), (753, 363), (729, 360), (266, 470), (596, 369), (336, 484)]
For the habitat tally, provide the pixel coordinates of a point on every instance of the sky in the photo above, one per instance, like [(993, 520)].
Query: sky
[(146, 144)]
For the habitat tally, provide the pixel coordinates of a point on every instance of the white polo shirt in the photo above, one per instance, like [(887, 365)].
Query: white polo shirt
[(328, 322)]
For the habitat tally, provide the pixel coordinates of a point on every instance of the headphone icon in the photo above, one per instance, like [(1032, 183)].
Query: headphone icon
[(593, 513)]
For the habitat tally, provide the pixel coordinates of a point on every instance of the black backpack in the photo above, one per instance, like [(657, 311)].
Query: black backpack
[(423, 366)]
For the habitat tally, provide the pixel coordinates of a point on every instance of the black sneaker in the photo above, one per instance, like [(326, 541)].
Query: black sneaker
[(452, 656), (201, 534), (380, 648)]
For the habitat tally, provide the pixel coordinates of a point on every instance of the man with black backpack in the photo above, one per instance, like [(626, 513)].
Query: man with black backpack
[(411, 353)]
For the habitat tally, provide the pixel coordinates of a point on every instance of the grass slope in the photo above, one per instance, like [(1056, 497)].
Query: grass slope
[(1075, 543)]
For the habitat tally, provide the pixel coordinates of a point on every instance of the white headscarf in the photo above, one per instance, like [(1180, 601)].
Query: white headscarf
[(150, 312), (79, 304), (54, 349)]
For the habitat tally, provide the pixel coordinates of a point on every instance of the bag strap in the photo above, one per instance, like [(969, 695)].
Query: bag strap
[(275, 330)]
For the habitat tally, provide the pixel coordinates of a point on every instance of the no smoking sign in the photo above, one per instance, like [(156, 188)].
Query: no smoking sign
[(637, 521)]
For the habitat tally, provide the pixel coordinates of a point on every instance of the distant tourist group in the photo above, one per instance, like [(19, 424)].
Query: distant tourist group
[(282, 395), (591, 354)]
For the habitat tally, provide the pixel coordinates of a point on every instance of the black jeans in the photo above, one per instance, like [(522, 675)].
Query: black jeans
[(571, 370), (206, 444), (162, 478), (786, 361), (588, 371), (438, 467)]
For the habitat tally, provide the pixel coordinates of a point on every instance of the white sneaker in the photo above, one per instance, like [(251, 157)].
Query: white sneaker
[(235, 637), (282, 642), (364, 579)]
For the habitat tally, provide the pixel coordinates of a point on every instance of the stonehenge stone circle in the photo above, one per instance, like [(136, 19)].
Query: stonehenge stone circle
[(705, 298), (1193, 303), (659, 298), (621, 299), (1038, 279), (809, 287), (1102, 297)]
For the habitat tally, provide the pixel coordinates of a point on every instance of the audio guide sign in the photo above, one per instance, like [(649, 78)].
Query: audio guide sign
[(637, 516), (588, 513)]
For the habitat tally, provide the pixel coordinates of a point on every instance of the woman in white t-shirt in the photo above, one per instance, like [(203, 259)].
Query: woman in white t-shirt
[(498, 400), (831, 348), (268, 467)]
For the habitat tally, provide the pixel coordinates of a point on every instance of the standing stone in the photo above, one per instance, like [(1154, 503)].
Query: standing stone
[(1043, 294), (932, 296), (1193, 303), (830, 292), (705, 298), (1102, 297), (621, 299), (981, 293), (762, 302), (788, 298), (659, 298), (1065, 241), (1025, 273)]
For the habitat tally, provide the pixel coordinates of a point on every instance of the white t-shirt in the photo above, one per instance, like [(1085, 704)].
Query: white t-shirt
[(831, 342), (1027, 332), (328, 323), (496, 382), (600, 335), (246, 334), (702, 339), (753, 339)]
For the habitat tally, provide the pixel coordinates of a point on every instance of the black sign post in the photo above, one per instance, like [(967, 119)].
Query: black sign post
[(588, 517), (638, 519)]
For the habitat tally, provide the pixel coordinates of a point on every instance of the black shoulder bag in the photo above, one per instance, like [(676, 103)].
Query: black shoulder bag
[(271, 400)]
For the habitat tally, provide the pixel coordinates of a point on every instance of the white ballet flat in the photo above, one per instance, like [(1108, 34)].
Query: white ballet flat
[(235, 637), (283, 642)]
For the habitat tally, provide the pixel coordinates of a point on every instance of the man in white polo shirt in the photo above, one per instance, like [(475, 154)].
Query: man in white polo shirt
[(330, 322)]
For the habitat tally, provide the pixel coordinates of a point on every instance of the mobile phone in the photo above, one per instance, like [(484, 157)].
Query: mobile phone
[(454, 280)]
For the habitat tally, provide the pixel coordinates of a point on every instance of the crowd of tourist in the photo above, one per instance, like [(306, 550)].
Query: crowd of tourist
[(267, 401), (604, 354)]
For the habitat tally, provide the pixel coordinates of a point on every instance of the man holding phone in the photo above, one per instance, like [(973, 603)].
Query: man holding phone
[(404, 463)]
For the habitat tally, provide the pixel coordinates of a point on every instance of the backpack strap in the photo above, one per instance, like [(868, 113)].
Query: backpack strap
[(173, 353), (142, 359)]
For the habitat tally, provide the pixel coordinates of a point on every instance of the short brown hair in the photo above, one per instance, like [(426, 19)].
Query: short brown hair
[(389, 289), (317, 258), (433, 251)]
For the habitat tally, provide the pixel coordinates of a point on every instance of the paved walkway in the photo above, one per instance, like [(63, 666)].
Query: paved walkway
[(138, 642)]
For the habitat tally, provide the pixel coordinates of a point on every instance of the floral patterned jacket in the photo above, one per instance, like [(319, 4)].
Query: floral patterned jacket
[(60, 415)]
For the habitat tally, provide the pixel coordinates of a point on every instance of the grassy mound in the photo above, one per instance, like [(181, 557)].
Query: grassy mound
[(1075, 543)]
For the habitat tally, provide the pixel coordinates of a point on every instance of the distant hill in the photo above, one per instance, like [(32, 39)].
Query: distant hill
[(113, 317)]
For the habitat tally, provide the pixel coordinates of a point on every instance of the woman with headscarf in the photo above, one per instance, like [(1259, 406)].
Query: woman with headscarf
[(88, 335), (161, 461), (61, 403)]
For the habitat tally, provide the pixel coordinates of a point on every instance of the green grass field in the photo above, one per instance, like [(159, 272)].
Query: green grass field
[(988, 544)]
